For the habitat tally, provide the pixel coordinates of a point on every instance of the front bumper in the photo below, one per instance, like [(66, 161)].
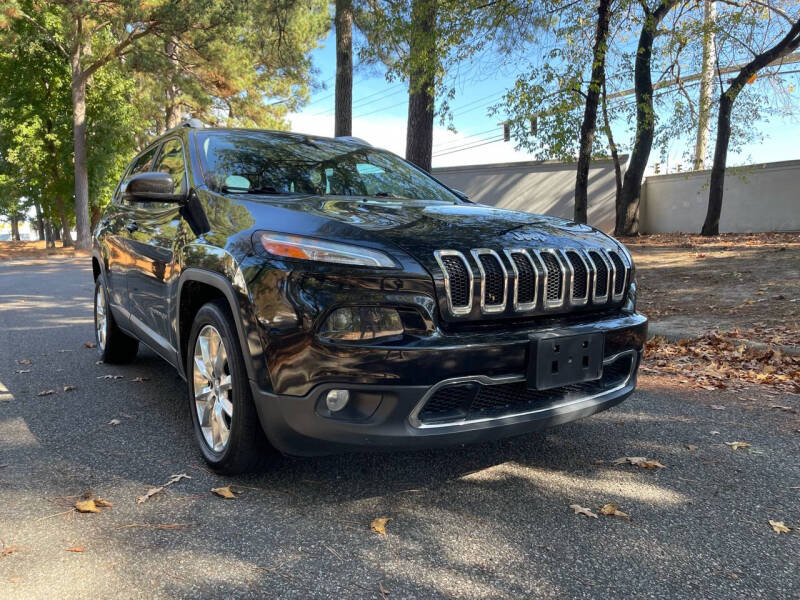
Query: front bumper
[(389, 417)]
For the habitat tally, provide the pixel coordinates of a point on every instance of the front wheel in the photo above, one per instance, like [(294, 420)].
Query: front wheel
[(223, 414)]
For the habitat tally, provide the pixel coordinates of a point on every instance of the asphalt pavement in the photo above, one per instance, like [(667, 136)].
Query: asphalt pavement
[(490, 520)]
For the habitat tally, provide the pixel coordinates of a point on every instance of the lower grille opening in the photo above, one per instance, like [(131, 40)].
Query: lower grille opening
[(470, 401)]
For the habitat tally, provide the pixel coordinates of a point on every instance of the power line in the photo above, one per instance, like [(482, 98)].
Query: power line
[(470, 147), (454, 143)]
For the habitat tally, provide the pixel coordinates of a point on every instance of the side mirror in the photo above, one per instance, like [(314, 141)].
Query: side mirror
[(151, 187), (461, 195)]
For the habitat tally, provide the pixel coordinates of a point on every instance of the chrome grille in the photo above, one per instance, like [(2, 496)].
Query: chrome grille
[(536, 280)]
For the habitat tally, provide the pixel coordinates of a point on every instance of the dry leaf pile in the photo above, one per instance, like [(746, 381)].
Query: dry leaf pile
[(715, 361), (639, 461)]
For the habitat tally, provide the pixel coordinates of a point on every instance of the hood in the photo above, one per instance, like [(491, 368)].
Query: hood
[(419, 227)]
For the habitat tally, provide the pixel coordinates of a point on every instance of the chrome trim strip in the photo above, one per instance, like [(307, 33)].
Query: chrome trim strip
[(413, 418), (515, 304), (595, 298), (490, 308), (548, 304), (456, 311), (614, 296)]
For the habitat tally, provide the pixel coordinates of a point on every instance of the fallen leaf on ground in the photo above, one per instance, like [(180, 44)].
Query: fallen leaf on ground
[(21, 371), (75, 549), (580, 510), (70, 388), (224, 492), (140, 379), (8, 550), (779, 527), (714, 432), (383, 590), (114, 422), (24, 361), (111, 377), (639, 461), (90, 344), (378, 525), (717, 406), (155, 490), (91, 505), (691, 447), (737, 445), (612, 510), (46, 393)]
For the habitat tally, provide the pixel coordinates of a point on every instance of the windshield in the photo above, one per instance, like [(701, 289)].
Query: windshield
[(259, 162)]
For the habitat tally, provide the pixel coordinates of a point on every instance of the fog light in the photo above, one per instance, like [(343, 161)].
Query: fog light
[(336, 400), (360, 323)]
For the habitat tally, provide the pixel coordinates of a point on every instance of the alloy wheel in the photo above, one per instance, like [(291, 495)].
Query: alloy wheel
[(212, 388), (100, 318)]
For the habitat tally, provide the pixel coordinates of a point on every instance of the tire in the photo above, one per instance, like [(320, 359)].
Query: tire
[(223, 414), (113, 345)]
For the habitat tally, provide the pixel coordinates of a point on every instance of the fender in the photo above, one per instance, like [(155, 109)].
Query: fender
[(241, 309)]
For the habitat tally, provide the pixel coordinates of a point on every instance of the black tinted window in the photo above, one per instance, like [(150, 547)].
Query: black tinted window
[(263, 162), (144, 163), (171, 161)]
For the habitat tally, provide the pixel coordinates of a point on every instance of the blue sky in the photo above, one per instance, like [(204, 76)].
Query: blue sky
[(380, 108)]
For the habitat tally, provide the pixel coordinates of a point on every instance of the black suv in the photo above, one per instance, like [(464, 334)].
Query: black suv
[(333, 296)]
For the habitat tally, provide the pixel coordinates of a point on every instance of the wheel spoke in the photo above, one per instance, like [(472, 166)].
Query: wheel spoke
[(202, 367), (204, 394), (227, 406), (225, 383), (216, 433)]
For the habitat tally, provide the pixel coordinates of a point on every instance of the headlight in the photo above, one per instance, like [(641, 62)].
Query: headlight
[(308, 248), (362, 323)]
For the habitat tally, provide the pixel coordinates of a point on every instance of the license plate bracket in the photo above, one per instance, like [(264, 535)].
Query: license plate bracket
[(563, 360)]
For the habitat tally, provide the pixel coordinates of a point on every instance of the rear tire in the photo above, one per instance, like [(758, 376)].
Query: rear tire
[(224, 417), (113, 345)]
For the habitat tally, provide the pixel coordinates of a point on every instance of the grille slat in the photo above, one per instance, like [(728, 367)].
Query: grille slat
[(619, 282), (580, 276), (478, 401), (460, 291), (526, 279), (601, 274), (554, 277), (495, 280)]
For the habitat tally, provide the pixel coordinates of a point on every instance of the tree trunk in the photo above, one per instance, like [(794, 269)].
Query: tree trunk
[(344, 68), (14, 228), (421, 85), (84, 241), (614, 156), (789, 43), (48, 228), (706, 87), (590, 111), (39, 220), (628, 217), (63, 217), (173, 108)]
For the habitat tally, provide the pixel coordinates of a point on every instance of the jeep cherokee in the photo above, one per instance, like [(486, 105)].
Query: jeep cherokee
[(320, 295)]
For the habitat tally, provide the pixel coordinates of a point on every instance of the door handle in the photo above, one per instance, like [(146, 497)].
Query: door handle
[(132, 226)]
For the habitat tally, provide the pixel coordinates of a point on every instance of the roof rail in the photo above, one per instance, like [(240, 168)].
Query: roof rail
[(350, 138), (192, 123)]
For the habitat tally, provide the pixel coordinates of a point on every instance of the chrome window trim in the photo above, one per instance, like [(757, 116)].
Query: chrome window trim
[(413, 418), (614, 296), (550, 304), (488, 309), (595, 298), (456, 311), (515, 304), (585, 299)]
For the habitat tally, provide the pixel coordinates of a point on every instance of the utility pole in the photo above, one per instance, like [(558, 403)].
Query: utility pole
[(706, 85)]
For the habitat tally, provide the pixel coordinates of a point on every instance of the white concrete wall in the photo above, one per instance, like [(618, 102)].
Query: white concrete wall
[(764, 197), (538, 187)]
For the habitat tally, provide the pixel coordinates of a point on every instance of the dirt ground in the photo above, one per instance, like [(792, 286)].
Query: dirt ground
[(743, 283), (20, 250)]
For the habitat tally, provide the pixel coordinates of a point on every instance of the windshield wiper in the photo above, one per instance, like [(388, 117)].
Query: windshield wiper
[(385, 195), (264, 190)]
